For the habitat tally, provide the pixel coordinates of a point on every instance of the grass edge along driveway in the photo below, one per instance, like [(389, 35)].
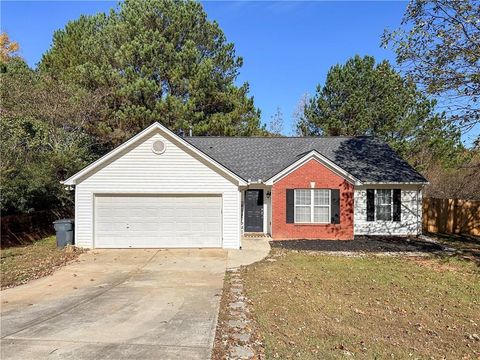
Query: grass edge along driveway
[(19, 265)]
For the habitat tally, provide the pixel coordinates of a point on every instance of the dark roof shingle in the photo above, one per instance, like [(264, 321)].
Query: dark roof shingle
[(366, 158)]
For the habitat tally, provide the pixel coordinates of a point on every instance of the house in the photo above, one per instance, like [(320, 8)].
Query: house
[(162, 190)]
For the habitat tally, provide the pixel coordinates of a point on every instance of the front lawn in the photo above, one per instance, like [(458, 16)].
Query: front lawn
[(312, 306), (467, 245), (19, 265)]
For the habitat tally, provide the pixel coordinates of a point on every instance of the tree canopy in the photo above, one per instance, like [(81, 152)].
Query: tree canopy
[(438, 46), (361, 97), (8, 48), (155, 60), (41, 143)]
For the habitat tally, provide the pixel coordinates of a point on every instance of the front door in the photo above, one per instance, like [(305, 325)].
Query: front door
[(254, 210)]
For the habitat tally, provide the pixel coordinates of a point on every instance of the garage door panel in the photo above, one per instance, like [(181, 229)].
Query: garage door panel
[(124, 221), (198, 227), (166, 227), (213, 227)]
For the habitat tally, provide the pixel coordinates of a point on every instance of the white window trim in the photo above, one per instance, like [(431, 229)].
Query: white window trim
[(391, 205), (312, 207)]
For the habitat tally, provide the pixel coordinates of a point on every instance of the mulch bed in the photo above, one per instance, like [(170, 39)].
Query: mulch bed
[(367, 244)]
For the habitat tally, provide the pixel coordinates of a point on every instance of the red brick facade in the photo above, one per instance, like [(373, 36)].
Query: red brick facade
[(301, 178)]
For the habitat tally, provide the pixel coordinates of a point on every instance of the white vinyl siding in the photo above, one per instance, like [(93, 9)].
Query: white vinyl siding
[(312, 206), (411, 211), (140, 171)]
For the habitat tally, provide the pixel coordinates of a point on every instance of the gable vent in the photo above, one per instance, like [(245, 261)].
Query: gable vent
[(158, 147)]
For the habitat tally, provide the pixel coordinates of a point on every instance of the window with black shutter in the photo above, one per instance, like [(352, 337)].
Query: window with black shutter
[(335, 206), (397, 205), (290, 196), (312, 206), (370, 205), (384, 204)]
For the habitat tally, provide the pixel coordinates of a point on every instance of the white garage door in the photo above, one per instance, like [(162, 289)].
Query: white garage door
[(151, 221)]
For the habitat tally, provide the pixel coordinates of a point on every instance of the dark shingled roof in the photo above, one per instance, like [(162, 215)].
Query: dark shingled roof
[(366, 158)]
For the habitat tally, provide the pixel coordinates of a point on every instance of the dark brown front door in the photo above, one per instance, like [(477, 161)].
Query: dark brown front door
[(254, 210)]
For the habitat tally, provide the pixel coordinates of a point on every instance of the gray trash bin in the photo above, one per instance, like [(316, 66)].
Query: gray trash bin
[(64, 229)]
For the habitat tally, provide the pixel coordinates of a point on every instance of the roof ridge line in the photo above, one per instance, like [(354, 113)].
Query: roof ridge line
[(277, 137)]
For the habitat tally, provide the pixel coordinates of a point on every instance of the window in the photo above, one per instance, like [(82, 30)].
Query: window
[(383, 205), (303, 206), (312, 206)]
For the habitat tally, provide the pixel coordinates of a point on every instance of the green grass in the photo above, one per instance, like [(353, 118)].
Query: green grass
[(19, 265), (313, 306)]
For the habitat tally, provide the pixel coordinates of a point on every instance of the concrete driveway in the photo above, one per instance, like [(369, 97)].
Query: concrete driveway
[(117, 304)]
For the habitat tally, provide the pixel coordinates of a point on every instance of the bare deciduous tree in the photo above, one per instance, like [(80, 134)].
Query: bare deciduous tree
[(300, 123), (438, 44), (275, 126)]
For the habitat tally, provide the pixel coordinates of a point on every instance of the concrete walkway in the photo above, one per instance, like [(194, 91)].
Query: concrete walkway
[(252, 251), (122, 304)]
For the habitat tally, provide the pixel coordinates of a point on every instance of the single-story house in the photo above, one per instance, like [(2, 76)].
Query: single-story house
[(162, 190)]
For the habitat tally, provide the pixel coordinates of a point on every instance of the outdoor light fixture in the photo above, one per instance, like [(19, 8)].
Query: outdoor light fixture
[(269, 193)]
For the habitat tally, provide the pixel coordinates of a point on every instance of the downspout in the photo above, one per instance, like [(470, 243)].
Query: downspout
[(419, 211), (418, 194)]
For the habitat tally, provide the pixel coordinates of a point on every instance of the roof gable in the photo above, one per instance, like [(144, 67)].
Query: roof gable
[(132, 142), (313, 155)]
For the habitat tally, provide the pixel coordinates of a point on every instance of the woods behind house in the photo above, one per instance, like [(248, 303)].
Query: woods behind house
[(107, 76)]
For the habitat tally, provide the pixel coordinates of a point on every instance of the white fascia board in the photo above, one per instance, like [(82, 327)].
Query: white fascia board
[(322, 160), (155, 126)]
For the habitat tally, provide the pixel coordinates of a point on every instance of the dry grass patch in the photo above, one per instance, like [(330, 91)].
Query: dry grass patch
[(19, 265), (316, 306)]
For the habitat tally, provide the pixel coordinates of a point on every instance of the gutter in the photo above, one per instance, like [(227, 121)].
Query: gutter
[(423, 183)]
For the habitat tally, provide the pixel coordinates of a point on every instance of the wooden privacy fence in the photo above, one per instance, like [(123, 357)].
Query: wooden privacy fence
[(22, 229), (451, 216)]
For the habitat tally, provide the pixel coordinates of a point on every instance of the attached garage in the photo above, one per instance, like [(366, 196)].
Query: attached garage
[(158, 221), (157, 191)]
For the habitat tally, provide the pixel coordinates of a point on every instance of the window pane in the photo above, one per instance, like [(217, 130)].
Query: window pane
[(322, 197), (320, 214), (384, 212), (384, 196), (302, 214), (302, 197)]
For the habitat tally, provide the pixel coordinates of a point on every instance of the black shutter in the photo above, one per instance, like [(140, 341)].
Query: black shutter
[(370, 205), (335, 206), (397, 204), (290, 206)]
